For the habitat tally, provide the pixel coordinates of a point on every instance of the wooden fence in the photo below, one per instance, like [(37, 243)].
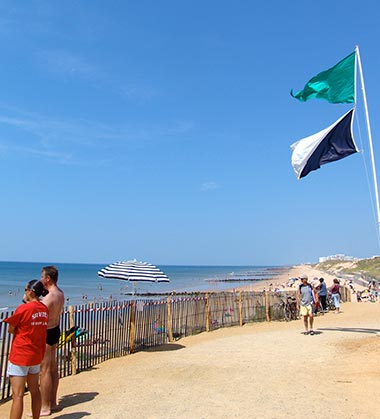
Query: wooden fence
[(116, 329)]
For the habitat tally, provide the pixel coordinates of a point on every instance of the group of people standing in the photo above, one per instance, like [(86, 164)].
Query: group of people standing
[(33, 355), (314, 298)]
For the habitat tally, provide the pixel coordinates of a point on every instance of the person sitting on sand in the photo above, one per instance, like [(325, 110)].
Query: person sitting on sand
[(306, 296)]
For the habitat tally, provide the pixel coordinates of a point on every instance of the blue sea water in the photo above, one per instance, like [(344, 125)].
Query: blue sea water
[(81, 283)]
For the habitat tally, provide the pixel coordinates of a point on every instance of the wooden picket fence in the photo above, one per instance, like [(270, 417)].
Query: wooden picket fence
[(115, 329)]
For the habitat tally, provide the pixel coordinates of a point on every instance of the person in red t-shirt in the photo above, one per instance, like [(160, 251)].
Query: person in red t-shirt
[(28, 324), (335, 294)]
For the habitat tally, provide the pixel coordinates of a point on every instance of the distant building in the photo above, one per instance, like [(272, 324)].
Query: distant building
[(337, 257)]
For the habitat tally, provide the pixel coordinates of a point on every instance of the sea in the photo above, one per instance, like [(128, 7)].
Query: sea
[(82, 285)]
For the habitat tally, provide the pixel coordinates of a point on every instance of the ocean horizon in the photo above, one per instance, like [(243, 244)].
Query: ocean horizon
[(81, 284)]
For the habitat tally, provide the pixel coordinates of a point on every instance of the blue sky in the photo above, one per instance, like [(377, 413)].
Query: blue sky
[(161, 131)]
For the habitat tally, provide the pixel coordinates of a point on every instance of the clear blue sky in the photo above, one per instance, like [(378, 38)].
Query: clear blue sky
[(161, 130)]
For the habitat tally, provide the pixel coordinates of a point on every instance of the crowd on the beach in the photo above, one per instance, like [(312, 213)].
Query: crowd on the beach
[(370, 293), (33, 355)]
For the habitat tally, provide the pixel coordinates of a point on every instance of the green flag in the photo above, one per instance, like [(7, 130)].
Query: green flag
[(336, 85)]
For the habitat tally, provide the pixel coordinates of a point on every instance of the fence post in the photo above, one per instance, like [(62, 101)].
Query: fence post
[(170, 319), (73, 346), (347, 295), (207, 313), (298, 300), (132, 319), (240, 309), (267, 306)]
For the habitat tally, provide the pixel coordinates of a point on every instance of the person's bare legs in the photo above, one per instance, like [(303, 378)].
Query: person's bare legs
[(34, 389), (49, 381), (311, 322), (306, 324), (18, 390), (55, 380)]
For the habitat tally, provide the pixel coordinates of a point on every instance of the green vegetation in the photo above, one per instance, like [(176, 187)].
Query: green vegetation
[(366, 267), (370, 267), (330, 265)]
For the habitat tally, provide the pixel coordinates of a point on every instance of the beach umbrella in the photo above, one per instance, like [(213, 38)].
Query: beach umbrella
[(133, 270)]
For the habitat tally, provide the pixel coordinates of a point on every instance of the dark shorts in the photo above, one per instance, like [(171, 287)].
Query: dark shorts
[(52, 336)]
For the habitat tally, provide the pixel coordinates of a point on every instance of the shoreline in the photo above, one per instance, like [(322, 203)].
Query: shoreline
[(273, 279), (277, 282), (189, 377), (281, 281), (220, 373), (188, 281)]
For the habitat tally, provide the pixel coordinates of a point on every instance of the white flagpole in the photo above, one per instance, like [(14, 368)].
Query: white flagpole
[(369, 137)]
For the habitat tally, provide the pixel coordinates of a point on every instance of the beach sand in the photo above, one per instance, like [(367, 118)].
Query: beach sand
[(261, 370), (280, 280)]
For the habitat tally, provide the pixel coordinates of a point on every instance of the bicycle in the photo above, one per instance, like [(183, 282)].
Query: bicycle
[(330, 305), (287, 309), (291, 312)]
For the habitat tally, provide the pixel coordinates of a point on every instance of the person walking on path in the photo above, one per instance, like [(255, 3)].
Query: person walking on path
[(316, 304), (322, 294), (335, 294), (54, 300), (28, 325), (306, 299)]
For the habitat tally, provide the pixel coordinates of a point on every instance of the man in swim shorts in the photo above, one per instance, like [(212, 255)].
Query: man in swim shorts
[(54, 300), (53, 335), (306, 297)]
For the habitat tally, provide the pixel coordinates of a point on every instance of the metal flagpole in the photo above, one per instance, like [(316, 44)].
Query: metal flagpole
[(370, 139)]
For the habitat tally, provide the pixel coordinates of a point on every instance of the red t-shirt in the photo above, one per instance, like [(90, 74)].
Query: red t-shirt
[(29, 341), (335, 289)]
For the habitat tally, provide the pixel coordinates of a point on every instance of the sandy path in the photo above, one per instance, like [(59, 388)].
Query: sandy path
[(265, 370)]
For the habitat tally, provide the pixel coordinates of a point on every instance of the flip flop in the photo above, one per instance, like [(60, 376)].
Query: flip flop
[(305, 333), (56, 409), (312, 332)]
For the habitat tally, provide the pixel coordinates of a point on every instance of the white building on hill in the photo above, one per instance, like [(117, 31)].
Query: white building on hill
[(337, 257)]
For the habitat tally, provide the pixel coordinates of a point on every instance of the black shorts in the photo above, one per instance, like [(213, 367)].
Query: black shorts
[(53, 335)]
